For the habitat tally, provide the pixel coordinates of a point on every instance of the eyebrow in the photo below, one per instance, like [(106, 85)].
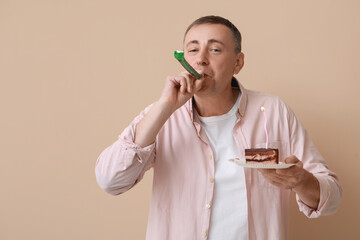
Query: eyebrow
[(209, 41)]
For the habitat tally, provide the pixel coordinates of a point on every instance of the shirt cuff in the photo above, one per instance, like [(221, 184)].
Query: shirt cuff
[(324, 197), (141, 153)]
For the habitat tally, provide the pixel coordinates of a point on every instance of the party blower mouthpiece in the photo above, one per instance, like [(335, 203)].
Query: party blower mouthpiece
[(179, 55)]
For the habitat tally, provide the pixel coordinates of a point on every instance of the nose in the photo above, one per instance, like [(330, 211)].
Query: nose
[(202, 58)]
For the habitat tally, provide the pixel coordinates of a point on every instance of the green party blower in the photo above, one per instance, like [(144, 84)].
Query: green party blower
[(179, 55)]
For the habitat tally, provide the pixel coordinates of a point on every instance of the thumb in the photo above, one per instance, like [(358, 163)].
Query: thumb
[(293, 160), (198, 84)]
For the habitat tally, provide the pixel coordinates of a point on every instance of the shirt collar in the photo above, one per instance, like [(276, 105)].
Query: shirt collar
[(242, 104)]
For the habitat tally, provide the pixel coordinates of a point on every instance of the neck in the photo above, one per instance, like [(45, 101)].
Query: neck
[(216, 105)]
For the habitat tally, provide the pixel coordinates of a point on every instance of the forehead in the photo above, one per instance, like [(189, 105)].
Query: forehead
[(206, 32)]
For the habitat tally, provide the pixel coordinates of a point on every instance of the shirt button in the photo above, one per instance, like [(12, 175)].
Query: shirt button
[(208, 206), (204, 234), (210, 157), (212, 180)]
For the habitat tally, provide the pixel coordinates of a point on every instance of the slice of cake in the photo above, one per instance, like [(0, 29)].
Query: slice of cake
[(262, 156)]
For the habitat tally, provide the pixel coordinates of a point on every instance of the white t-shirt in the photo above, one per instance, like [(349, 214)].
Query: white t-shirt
[(229, 215)]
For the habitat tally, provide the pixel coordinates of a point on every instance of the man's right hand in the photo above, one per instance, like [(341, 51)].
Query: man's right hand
[(179, 89)]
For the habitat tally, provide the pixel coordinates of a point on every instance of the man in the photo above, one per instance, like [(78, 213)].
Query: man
[(188, 137)]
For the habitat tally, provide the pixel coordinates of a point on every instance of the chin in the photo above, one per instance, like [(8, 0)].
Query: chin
[(204, 91)]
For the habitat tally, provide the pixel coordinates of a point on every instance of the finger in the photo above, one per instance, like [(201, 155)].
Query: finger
[(172, 80), (183, 85), (285, 179), (291, 171), (281, 181), (275, 180), (266, 171), (292, 159), (274, 175), (189, 83)]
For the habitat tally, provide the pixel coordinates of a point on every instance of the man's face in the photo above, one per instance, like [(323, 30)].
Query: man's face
[(210, 50)]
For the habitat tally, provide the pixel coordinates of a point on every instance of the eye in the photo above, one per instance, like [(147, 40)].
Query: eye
[(215, 50), (192, 50)]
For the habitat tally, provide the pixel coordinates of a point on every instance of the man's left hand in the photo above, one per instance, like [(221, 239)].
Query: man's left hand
[(296, 178), (287, 178)]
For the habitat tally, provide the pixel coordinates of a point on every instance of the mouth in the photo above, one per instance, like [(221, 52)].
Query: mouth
[(204, 74)]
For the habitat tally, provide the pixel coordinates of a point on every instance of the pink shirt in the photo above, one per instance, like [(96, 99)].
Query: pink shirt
[(183, 184)]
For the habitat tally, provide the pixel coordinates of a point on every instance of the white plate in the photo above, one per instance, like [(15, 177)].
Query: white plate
[(243, 163)]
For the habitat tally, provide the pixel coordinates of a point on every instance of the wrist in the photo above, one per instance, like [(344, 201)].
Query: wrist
[(165, 107), (309, 191), (307, 182)]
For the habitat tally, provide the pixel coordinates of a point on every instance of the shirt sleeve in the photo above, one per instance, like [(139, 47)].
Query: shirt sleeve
[(124, 163), (330, 197), (330, 189)]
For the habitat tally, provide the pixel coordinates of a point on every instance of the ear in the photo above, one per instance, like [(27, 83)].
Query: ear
[(239, 62)]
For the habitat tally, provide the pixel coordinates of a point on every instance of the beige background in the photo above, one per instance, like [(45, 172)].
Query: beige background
[(75, 73)]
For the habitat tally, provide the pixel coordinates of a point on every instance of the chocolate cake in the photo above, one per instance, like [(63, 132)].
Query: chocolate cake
[(262, 156)]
